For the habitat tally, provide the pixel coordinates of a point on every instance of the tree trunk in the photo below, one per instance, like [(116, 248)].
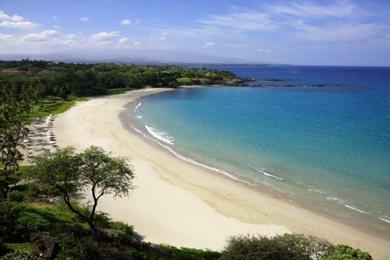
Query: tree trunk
[(89, 220), (94, 230)]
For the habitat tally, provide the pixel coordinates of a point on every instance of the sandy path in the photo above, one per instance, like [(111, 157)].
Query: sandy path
[(180, 204)]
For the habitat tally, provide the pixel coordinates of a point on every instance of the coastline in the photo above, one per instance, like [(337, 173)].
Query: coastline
[(184, 205)]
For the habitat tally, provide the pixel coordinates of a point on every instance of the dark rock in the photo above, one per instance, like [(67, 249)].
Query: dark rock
[(43, 244)]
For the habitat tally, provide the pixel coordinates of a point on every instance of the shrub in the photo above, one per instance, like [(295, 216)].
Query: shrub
[(15, 195), (289, 246), (172, 252), (80, 247), (132, 253), (32, 220), (9, 212), (123, 227), (18, 248), (347, 253), (314, 247)]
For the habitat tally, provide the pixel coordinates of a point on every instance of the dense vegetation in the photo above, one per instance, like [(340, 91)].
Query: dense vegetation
[(67, 79), (288, 246), (40, 217)]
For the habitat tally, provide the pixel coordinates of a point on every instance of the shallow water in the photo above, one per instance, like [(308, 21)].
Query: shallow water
[(324, 140)]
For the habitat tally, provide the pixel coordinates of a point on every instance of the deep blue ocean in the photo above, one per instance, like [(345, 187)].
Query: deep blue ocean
[(318, 135)]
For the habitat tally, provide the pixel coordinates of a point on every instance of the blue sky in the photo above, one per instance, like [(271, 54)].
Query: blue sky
[(339, 32)]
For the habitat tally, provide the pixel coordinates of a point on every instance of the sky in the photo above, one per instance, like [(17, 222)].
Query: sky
[(338, 32)]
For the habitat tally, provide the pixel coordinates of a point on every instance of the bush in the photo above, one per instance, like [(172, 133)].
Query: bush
[(18, 248), (80, 247), (123, 227), (172, 252), (9, 212), (32, 220), (289, 246), (347, 253), (15, 195)]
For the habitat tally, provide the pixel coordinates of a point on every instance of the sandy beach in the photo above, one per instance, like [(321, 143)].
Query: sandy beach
[(178, 203)]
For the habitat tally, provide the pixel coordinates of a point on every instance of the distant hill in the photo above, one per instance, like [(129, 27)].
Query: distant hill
[(139, 57)]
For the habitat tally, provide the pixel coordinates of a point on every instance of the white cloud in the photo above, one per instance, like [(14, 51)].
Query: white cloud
[(157, 41), (237, 46), (39, 40), (5, 38), (123, 41), (54, 17), (103, 38), (69, 40), (126, 22), (208, 45), (43, 36), (182, 32), (337, 32), (84, 19), (245, 21), (340, 20), (340, 9), (15, 22), (126, 43)]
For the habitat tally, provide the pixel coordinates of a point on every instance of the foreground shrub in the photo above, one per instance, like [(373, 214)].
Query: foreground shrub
[(347, 253), (289, 246), (123, 227), (19, 248), (172, 252)]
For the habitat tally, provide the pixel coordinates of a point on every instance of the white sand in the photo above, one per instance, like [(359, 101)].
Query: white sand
[(180, 204)]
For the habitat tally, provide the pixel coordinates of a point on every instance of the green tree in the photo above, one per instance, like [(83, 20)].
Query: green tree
[(16, 99), (104, 174), (93, 171)]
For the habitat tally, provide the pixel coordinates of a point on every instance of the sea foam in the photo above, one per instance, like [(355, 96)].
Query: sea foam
[(271, 175), (162, 136), (316, 191), (137, 106), (189, 160), (384, 219), (355, 209)]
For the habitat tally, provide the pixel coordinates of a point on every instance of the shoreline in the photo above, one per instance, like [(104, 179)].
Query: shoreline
[(129, 122), (337, 212), (211, 194)]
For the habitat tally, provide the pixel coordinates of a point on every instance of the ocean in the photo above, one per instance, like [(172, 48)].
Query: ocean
[(320, 136)]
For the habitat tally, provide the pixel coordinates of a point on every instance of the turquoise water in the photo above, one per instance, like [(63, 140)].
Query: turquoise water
[(327, 147)]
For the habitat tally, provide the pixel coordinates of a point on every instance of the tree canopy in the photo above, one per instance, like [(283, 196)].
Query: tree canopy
[(66, 79), (16, 100), (92, 171)]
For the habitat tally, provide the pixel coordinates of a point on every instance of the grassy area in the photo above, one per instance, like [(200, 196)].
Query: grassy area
[(52, 106), (19, 248), (35, 221), (115, 91), (184, 81), (72, 238)]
